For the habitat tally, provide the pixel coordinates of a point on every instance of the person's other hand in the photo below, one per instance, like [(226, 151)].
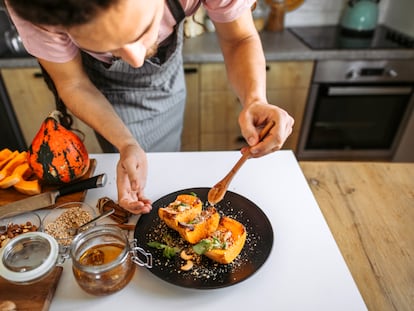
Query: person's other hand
[(254, 117), (131, 178)]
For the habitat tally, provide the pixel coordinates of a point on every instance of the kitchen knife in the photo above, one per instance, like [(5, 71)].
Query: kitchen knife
[(47, 199)]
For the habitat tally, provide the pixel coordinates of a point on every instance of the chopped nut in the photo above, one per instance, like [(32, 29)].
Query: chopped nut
[(14, 230), (188, 266), (4, 242), (185, 256)]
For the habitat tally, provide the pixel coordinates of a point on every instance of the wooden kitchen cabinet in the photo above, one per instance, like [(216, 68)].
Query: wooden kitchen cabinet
[(32, 102), (212, 108), (220, 109), (287, 86)]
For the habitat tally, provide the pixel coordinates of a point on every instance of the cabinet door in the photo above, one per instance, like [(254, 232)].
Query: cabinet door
[(293, 101), (190, 138), (219, 121), (220, 109), (288, 87), (32, 102)]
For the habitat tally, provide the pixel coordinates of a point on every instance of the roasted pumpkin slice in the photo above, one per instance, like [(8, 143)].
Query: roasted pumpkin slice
[(185, 208), (226, 243), (200, 227)]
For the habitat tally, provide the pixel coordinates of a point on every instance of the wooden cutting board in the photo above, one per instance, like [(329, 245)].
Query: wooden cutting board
[(11, 195), (32, 297)]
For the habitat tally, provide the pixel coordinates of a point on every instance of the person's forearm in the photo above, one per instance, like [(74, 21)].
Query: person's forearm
[(246, 66)]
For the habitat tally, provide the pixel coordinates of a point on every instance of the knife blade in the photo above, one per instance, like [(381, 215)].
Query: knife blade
[(47, 199)]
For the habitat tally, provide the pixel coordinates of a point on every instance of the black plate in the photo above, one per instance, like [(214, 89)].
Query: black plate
[(208, 274)]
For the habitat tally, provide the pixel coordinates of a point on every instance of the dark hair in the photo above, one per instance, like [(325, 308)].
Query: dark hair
[(65, 13)]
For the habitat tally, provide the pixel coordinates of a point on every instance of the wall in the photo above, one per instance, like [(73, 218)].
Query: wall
[(397, 14)]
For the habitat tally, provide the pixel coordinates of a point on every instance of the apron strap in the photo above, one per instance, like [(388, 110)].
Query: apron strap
[(176, 10)]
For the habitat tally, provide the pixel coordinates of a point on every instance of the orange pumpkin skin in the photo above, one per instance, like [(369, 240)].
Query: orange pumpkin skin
[(57, 155)]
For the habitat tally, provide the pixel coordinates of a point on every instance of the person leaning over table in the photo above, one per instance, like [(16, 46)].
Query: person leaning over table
[(117, 65)]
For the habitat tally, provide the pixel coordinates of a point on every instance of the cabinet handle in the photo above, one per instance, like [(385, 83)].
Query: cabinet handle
[(267, 68), (190, 70), (38, 74), (240, 139)]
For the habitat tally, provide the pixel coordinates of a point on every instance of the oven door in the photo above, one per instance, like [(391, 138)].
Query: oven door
[(358, 121)]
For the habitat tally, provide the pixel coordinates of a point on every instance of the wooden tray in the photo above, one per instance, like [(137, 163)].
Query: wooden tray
[(32, 297), (11, 195)]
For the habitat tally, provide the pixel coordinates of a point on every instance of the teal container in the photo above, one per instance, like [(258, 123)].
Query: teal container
[(360, 16)]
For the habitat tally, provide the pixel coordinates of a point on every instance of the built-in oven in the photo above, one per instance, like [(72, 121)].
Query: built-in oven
[(357, 110)]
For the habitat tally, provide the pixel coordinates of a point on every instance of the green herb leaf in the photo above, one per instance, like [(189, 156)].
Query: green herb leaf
[(203, 246), (156, 245), (168, 251)]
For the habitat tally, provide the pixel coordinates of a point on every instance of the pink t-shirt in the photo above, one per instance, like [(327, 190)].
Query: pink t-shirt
[(55, 45)]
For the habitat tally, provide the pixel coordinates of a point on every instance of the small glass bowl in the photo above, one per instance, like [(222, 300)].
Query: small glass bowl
[(12, 226), (63, 217)]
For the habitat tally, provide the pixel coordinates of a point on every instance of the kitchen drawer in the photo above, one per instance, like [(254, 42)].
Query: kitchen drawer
[(282, 75)]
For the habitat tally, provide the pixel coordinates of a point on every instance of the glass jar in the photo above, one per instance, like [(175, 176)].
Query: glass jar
[(28, 258), (104, 261)]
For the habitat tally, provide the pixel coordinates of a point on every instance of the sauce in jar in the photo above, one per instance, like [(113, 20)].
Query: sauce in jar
[(102, 261)]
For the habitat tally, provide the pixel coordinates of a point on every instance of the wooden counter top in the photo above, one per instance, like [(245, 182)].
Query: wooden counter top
[(369, 208)]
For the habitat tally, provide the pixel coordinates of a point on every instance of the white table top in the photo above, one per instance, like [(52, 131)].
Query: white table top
[(305, 270)]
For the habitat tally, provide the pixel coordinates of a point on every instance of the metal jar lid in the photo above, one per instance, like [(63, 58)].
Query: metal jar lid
[(28, 257)]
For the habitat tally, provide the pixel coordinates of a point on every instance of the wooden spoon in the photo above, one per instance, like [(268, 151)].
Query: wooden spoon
[(217, 193)]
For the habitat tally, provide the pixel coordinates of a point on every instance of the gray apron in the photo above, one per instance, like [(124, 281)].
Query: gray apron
[(150, 99)]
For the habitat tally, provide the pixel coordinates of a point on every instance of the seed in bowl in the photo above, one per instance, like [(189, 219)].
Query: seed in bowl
[(73, 217)]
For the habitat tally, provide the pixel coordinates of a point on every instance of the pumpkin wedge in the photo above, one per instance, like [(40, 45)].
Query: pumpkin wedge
[(7, 158), (200, 227), (226, 243), (185, 208), (15, 176), (8, 169), (4, 154), (29, 187)]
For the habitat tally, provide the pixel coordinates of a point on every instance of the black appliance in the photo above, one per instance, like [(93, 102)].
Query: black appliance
[(357, 110), (11, 135), (333, 37)]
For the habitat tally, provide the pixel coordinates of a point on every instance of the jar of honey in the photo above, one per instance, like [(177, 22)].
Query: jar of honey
[(104, 260)]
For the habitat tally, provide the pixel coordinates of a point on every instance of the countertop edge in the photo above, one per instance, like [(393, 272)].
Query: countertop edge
[(277, 46)]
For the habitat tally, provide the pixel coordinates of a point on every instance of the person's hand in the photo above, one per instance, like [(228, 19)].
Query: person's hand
[(254, 117), (131, 178)]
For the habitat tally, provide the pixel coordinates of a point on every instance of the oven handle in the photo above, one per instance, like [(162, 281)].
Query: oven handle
[(366, 90)]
